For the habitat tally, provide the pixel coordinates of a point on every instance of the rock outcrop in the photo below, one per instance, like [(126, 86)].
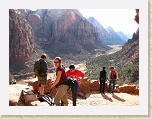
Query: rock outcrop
[(137, 16)]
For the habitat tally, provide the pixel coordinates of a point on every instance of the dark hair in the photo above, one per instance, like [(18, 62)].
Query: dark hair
[(112, 68), (58, 58), (72, 66), (43, 56), (103, 68)]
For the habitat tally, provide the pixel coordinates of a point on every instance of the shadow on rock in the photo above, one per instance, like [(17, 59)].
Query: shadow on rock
[(106, 97), (118, 98)]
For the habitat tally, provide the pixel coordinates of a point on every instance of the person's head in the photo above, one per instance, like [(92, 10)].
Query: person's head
[(103, 68), (57, 61), (43, 56), (72, 67), (112, 68)]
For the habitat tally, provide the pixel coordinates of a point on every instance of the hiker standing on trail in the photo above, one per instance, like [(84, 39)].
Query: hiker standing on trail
[(112, 78), (76, 74), (59, 83), (42, 74), (102, 80)]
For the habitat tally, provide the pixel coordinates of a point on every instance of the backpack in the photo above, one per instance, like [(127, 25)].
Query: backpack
[(113, 75), (46, 98), (72, 83), (37, 67)]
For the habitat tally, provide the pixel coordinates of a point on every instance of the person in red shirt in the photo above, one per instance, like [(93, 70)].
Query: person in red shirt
[(76, 74)]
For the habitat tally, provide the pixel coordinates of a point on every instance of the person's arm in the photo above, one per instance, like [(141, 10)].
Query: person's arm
[(57, 79), (80, 74), (100, 76), (116, 76)]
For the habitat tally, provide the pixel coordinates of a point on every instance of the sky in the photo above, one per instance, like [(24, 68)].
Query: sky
[(118, 19)]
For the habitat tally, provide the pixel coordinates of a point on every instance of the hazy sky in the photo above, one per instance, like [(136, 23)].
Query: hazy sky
[(119, 19)]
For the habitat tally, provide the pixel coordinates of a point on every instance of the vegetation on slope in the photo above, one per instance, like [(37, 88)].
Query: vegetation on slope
[(126, 62)]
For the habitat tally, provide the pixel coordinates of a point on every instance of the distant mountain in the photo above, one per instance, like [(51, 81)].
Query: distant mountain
[(103, 34), (107, 36), (122, 36)]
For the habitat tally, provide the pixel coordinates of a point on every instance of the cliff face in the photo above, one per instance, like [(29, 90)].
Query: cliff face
[(23, 49), (52, 31), (107, 36), (66, 31), (21, 37)]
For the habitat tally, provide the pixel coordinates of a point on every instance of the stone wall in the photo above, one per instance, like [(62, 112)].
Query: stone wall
[(88, 86)]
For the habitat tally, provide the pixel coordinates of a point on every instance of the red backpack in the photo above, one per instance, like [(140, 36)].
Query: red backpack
[(113, 75)]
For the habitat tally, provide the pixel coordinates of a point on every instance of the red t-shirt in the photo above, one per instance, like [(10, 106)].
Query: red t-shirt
[(76, 74), (63, 75)]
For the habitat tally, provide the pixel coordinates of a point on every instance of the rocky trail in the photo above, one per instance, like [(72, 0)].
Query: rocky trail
[(87, 96), (116, 99)]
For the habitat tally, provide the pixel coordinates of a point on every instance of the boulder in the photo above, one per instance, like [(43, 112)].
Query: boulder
[(136, 92), (85, 86), (14, 93), (94, 85), (47, 88), (122, 89), (27, 96), (82, 95)]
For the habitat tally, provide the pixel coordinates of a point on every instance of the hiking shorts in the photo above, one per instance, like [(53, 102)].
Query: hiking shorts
[(61, 95), (42, 80)]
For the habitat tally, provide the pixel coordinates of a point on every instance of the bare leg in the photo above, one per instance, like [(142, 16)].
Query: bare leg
[(42, 89)]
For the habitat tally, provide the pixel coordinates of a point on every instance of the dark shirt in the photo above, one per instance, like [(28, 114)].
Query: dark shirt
[(103, 74), (43, 66), (63, 75)]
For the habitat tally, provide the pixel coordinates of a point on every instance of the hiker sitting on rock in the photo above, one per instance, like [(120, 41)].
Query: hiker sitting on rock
[(59, 83), (76, 74), (112, 78)]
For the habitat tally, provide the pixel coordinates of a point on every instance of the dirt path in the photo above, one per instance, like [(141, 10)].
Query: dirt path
[(117, 99), (115, 48)]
